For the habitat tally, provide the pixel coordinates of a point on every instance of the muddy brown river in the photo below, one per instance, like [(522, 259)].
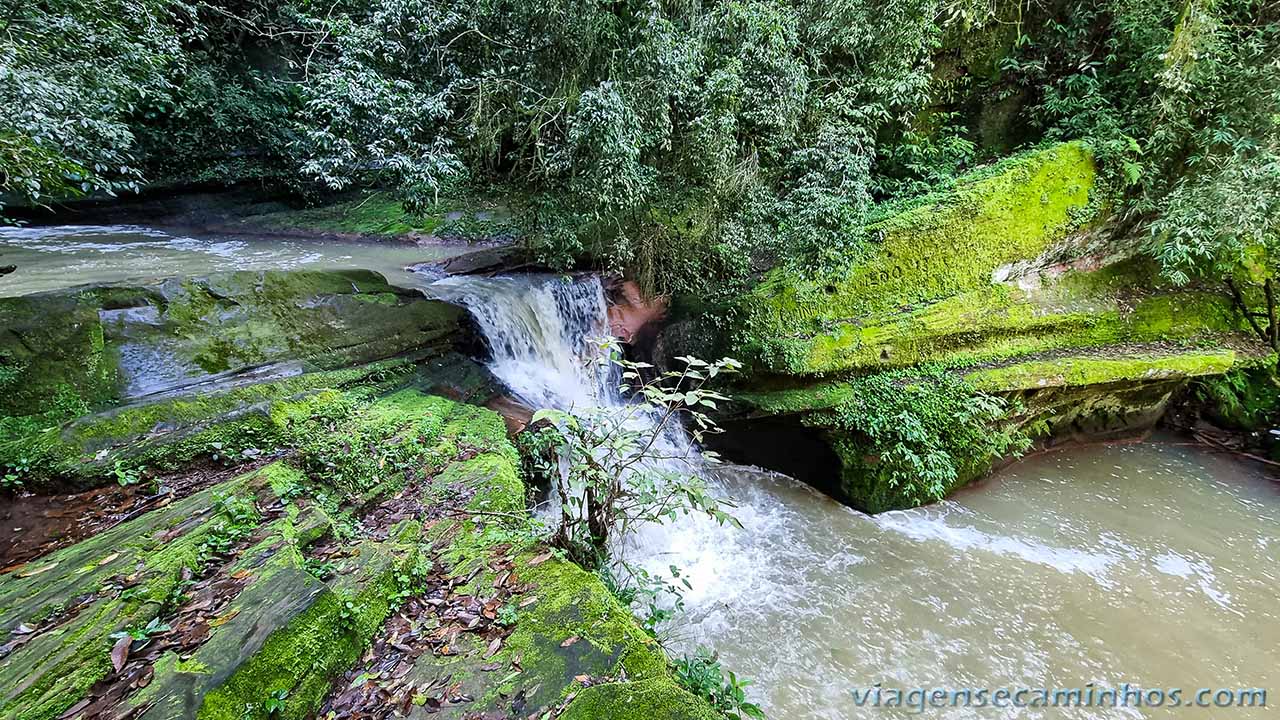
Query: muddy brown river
[(1156, 565)]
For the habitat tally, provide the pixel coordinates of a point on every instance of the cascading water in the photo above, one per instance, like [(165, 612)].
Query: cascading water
[(545, 335), (1153, 564), (1060, 571), (543, 332)]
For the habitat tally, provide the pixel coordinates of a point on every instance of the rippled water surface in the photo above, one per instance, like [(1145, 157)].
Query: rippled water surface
[(48, 258), (1153, 564)]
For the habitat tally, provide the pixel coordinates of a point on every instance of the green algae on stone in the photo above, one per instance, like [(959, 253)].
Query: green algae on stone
[(44, 677), (325, 320), (652, 699), (53, 362), (300, 658), (941, 247), (394, 439), (1091, 370), (573, 603), (163, 434)]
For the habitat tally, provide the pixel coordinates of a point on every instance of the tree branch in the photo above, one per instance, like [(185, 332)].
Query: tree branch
[(1238, 299)]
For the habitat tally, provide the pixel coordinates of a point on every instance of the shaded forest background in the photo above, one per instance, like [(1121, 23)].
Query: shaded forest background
[(693, 144)]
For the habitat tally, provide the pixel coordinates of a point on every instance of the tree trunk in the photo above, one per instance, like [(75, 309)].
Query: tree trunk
[(1273, 327), (1238, 299)]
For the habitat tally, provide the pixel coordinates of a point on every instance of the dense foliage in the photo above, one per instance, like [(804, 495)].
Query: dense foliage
[(922, 432), (1184, 101), (691, 143)]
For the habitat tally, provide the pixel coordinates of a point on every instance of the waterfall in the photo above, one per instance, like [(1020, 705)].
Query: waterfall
[(546, 334), (543, 331)]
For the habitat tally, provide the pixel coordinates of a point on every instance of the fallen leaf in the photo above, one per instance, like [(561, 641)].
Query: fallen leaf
[(225, 618), (108, 559), (570, 641), (120, 652), (23, 629), (541, 558), (584, 679), (146, 677), (528, 601), (494, 647), (240, 574), (37, 571)]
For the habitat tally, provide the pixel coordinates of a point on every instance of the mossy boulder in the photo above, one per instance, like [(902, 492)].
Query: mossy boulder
[(54, 363), (286, 634), (1096, 394), (296, 650), (200, 329), (653, 699), (75, 598), (1013, 283), (942, 247), (69, 352), (163, 434)]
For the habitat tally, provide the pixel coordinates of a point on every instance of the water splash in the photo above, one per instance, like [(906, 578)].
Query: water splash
[(1056, 574), (543, 332)]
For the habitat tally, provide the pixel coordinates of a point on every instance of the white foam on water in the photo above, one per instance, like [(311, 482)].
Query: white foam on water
[(1059, 580)]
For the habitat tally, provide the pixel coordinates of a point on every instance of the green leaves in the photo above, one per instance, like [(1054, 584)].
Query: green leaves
[(614, 468), (923, 429), (702, 675)]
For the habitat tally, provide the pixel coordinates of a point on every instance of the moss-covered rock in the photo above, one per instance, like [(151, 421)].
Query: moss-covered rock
[(942, 247), (1101, 393), (1010, 284), (77, 597), (66, 353), (654, 699), (370, 450), (299, 659), (53, 361), (286, 635), (162, 434), (199, 329)]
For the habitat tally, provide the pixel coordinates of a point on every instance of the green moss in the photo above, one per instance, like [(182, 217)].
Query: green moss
[(376, 215), (50, 673), (655, 699), (1082, 371), (53, 361), (573, 603), (166, 433), (302, 657), (327, 320), (942, 247), (1001, 322), (394, 439)]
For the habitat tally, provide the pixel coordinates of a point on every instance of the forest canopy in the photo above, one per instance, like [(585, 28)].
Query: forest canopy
[(688, 142)]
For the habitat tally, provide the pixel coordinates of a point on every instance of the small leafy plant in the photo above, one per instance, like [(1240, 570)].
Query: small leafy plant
[(15, 473), (143, 634), (508, 615), (702, 675), (624, 466), (320, 569), (126, 474), (275, 703)]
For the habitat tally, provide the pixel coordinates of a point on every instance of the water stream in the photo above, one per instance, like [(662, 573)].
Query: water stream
[(50, 258), (1154, 564)]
